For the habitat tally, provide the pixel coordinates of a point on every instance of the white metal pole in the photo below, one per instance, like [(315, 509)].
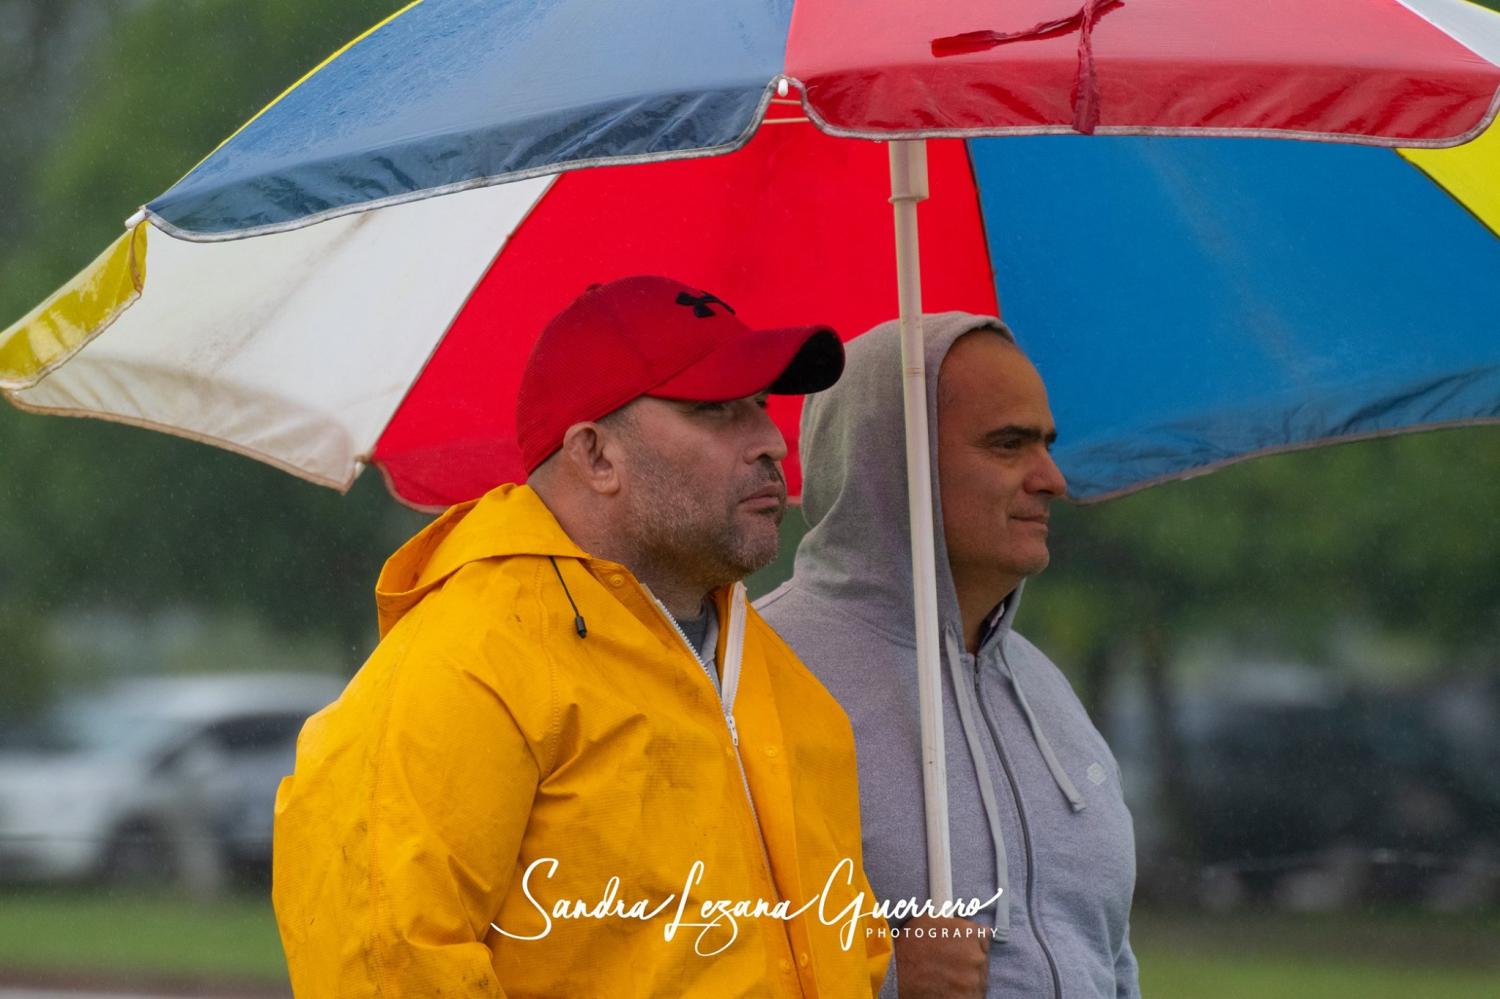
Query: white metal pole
[(908, 187)]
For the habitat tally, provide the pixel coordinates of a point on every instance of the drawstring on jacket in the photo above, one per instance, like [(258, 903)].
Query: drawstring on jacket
[(579, 624), (1064, 784), (1054, 766), (967, 698), (963, 694)]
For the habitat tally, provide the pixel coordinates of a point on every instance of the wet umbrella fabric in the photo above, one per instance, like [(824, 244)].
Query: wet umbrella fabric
[(1190, 303)]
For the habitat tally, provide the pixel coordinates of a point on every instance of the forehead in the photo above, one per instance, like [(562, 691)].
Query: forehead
[(654, 402), (986, 378), (654, 409)]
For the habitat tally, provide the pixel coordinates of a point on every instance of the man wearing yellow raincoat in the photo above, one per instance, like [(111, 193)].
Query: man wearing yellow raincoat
[(578, 764)]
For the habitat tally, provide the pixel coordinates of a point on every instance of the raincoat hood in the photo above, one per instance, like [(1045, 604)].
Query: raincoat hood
[(468, 532)]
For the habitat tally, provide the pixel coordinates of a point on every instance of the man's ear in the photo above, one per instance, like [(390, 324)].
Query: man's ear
[(585, 449)]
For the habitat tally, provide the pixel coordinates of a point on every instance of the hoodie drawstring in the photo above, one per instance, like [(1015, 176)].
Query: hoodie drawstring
[(966, 697), (1064, 783), (967, 709)]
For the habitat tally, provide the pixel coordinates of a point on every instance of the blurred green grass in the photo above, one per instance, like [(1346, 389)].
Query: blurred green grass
[(1366, 955), (140, 936), (1361, 955)]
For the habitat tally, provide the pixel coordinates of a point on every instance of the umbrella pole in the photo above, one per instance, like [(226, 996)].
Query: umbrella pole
[(908, 187)]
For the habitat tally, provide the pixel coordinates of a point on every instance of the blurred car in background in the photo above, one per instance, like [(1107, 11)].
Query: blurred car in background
[(153, 782), (1316, 796)]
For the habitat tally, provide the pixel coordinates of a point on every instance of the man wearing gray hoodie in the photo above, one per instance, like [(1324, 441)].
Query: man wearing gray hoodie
[(1034, 792)]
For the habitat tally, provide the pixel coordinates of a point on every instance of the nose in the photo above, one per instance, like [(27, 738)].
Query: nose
[(766, 440), (1046, 477)]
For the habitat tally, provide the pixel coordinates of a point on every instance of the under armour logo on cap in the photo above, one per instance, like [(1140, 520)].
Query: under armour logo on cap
[(700, 303)]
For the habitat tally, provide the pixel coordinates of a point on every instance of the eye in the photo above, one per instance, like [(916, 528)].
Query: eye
[(763, 401), (710, 407)]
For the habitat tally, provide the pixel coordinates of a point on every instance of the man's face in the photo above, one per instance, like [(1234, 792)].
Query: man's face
[(703, 484), (995, 471)]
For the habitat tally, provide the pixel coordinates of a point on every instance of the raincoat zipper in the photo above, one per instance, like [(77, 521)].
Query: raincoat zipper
[(1015, 791), (734, 736)]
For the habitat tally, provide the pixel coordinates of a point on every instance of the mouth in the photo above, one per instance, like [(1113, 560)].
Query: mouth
[(1034, 521), (772, 497)]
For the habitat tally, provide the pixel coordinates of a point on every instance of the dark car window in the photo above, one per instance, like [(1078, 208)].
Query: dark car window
[(254, 733)]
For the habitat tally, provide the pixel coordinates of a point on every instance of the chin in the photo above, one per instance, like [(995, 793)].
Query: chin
[(756, 552), (1026, 563)]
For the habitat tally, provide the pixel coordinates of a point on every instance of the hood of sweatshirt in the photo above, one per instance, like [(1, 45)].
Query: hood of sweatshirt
[(858, 548)]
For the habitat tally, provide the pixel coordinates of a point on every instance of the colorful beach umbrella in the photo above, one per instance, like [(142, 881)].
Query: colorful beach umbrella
[(304, 297), (300, 296)]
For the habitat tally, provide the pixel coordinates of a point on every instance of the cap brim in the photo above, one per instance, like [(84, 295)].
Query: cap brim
[(791, 361)]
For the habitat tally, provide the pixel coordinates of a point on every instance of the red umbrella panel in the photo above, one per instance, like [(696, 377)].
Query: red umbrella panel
[(792, 229)]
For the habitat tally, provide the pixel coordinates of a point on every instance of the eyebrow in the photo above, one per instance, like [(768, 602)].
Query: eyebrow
[(1017, 432)]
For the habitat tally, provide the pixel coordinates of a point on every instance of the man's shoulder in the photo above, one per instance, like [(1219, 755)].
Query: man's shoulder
[(780, 656), (496, 589), (862, 666), (791, 657), (805, 618), (1033, 666), (803, 700), (1047, 686), (487, 617), (1017, 644)]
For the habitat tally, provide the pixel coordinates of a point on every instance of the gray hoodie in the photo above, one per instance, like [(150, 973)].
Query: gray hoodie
[(1034, 792)]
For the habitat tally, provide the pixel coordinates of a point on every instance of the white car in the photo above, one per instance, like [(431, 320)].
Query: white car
[(166, 781)]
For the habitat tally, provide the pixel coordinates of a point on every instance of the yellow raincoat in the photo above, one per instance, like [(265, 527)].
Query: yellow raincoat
[(485, 739)]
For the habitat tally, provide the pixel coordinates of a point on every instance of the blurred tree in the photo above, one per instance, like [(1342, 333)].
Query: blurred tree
[(1393, 531), (92, 514), (1395, 534), (161, 88), (42, 42), (25, 682)]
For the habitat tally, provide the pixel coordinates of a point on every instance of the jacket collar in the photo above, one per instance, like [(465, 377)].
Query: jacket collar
[(509, 520)]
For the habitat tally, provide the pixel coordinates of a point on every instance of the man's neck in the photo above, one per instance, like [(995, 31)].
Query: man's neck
[(683, 598), (977, 599)]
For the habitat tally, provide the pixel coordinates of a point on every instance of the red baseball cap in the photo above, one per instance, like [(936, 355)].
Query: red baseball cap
[(654, 336)]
